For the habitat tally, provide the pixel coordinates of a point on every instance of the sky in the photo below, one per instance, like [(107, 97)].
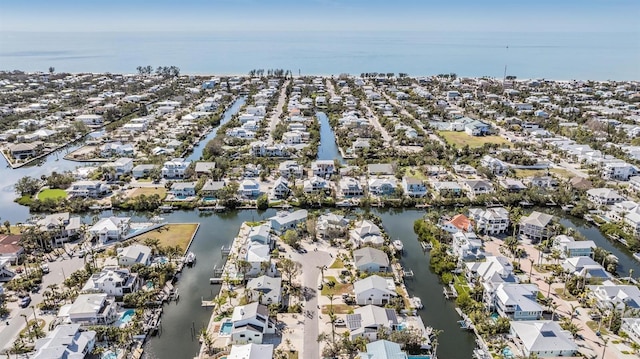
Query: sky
[(322, 15)]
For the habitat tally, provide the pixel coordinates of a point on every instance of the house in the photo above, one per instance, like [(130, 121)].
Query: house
[(90, 309), (91, 120), (464, 169), (88, 189), (492, 220), (467, 246), (517, 301), (113, 149), (631, 326), (260, 234), (447, 188), (21, 151), (251, 351), (113, 281), (382, 349), (512, 185), (134, 254), (543, 182), (366, 232), (256, 254), (183, 189), (323, 168), (478, 187), (609, 294), (368, 320), (382, 186), (315, 184), (569, 247), (496, 166), (620, 171), (585, 267), (290, 169), (331, 223), (65, 341), (604, 196), (350, 187), (370, 259), (211, 188), (250, 323), (110, 229), (413, 187), (6, 274), (10, 248), (204, 168), (543, 338), (61, 226), (458, 223), (249, 188), (435, 170), (380, 169), (121, 166), (284, 220), (634, 183), (280, 188), (265, 290), (374, 290), (174, 168), (536, 226), (141, 171), (490, 273)]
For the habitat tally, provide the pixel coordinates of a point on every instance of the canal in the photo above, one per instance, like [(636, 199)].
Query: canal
[(328, 149)]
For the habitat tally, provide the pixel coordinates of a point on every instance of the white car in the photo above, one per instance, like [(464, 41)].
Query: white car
[(45, 268)]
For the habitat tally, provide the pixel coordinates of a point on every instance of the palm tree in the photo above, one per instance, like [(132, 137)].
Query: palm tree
[(573, 311), (322, 269), (554, 306), (549, 281), (243, 267), (434, 341)]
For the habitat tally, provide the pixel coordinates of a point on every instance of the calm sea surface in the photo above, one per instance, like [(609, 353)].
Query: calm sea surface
[(598, 56)]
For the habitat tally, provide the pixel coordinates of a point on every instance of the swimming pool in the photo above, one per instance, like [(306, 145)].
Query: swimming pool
[(127, 316), (226, 328), (109, 355), (507, 352)]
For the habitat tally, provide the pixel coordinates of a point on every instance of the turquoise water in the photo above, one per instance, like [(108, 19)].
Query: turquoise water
[(226, 328), (127, 316), (109, 355), (494, 316), (507, 352), (419, 357), (209, 199)]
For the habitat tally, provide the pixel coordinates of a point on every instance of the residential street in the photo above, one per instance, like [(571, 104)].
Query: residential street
[(275, 116)]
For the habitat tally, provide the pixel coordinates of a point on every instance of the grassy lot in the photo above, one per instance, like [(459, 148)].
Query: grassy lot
[(460, 283), (415, 173), (338, 308), (52, 193), (567, 296), (337, 263), (459, 139), (148, 191), (593, 325), (561, 172), (337, 289), (171, 235)]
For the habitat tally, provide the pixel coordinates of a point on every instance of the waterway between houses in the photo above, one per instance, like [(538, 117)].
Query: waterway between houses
[(216, 230)]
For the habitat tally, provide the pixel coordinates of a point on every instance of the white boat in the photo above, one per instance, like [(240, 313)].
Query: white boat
[(416, 302), (398, 245), (637, 256), (190, 259)]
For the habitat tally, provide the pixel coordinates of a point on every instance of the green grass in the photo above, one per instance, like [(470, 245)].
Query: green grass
[(560, 172), (593, 325), (337, 308), (148, 191), (415, 173), (460, 139), (171, 235), (52, 194), (337, 263), (460, 284), (338, 289)]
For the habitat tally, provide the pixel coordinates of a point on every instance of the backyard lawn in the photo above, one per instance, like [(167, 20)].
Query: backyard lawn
[(459, 139), (520, 173), (337, 289), (148, 191), (171, 235), (337, 263), (52, 194)]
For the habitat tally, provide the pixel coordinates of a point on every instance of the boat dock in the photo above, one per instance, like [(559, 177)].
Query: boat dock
[(450, 293)]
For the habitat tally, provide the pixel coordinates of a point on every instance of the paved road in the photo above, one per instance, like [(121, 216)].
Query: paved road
[(403, 111), (275, 116), (311, 279), (55, 276)]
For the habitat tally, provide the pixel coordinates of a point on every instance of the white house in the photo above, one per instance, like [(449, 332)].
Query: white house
[(544, 338), (88, 189), (121, 166), (492, 220), (382, 186), (134, 254), (90, 309), (585, 267), (569, 247), (257, 254), (496, 166), (113, 281), (174, 168), (620, 171), (315, 184), (604, 196), (183, 189), (383, 349), (91, 120), (61, 226), (631, 326), (265, 290), (350, 187), (517, 301), (478, 187), (370, 259), (413, 187), (374, 290), (323, 168), (280, 188), (368, 320), (110, 229), (366, 232), (467, 246), (65, 341), (536, 226), (251, 351), (284, 220), (288, 169), (260, 234), (250, 323), (609, 294)]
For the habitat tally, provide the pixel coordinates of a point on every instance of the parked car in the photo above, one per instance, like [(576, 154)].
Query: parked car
[(81, 253), (45, 268), (340, 322), (25, 301)]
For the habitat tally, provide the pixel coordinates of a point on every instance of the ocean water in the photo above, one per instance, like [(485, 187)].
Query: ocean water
[(597, 56)]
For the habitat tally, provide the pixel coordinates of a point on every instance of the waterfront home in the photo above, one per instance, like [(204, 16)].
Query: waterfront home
[(512, 185), (6, 274), (251, 351), (634, 183), (121, 166), (447, 188), (350, 187), (374, 290), (331, 223), (493, 220), (491, 272), (631, 326), (263, 149), (370, 259), (496, 166), (284, 220), (367, 321), (290, 169), (10, 248), (248, 188), (183, 189), (517, 301), (260, 234), (366, 232), (459, 223), (250, 323), (585, 267), (265, 290), (242, 132), (211, 188), (204, 168), (382, 186), (536, 226), (256, 254), (467, 246), (116, 149), (609, 294), (110, 229), (435, 170), (61, 226), (174, 168), (543, 338), (543, 182), (88, 189), (323, 168), (477, 187), (569, 247), (141, 171), (619, 170), (413, 187), (21, 151), (382, 349), (280, 188), (65, 341), (90, 309), (134, 254), (113, 281), (315, 184), (604, 196)]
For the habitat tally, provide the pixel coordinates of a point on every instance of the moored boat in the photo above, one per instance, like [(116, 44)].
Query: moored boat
[(416, 302), (190, 259), (637, 256), (398, 245)]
